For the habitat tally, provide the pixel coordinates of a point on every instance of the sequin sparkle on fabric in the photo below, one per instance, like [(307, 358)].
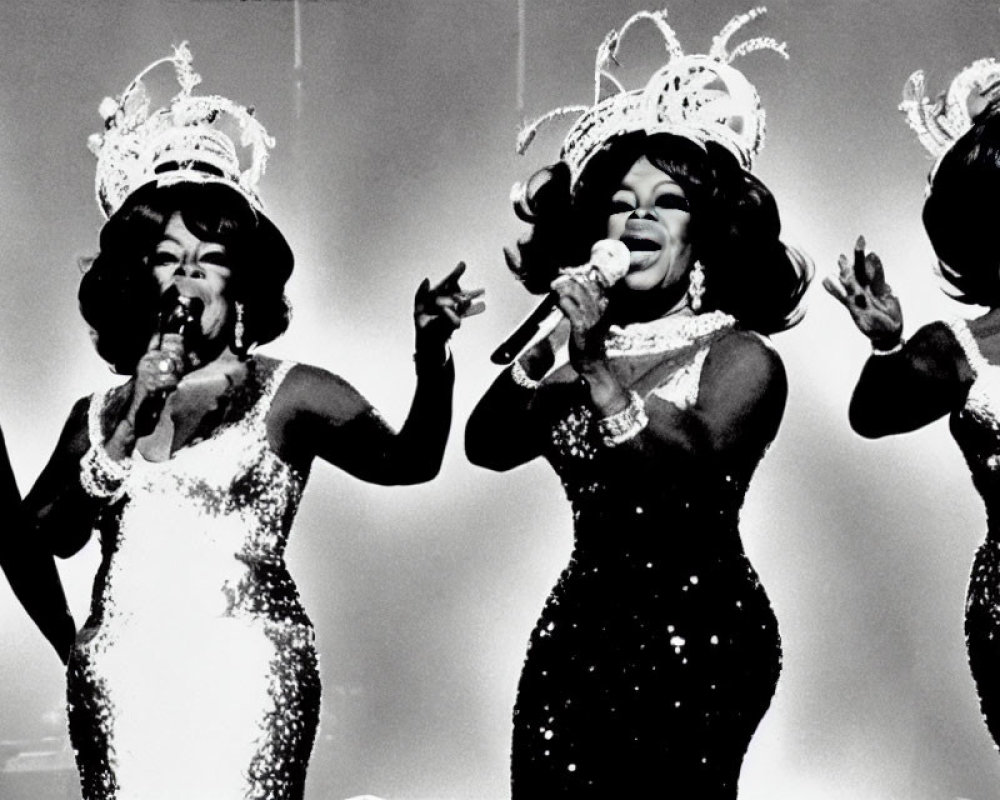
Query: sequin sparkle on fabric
[(196, 674), (657, 653), (976, 428)]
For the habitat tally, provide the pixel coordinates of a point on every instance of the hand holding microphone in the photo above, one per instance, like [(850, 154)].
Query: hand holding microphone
[(609, 263), (161, 368)]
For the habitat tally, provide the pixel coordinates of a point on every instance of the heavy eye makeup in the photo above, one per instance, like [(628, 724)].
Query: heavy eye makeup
[(670, 200), (218, 259), (163, 258), (625, 202), (622, 203), (212, 258)]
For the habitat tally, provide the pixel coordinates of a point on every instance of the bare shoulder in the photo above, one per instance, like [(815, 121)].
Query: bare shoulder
[(74, 439), (76, 430), (310, 389), (309, 380)]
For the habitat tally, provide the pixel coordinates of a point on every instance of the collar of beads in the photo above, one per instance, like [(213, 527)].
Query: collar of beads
[(667, 334)]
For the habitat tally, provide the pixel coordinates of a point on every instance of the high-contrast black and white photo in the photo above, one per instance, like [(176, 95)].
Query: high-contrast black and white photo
[(251, 243)]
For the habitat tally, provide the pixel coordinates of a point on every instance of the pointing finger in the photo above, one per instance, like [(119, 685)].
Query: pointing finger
[(873, 265), (450, 283), (859, 261)]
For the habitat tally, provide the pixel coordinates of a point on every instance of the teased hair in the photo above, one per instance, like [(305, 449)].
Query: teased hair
[(734, 229), (119, 296), (960, 213)]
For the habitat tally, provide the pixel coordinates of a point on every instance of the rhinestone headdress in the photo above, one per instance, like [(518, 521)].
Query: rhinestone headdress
[(939, 124), (701, 97), (186, 138)]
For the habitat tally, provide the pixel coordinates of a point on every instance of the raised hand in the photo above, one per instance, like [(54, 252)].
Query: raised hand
[(861, 289), (439, 310), (156, 375)]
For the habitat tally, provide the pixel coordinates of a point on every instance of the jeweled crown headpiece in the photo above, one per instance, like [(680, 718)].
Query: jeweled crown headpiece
[(700, 96), (186, 138), (940, 123)]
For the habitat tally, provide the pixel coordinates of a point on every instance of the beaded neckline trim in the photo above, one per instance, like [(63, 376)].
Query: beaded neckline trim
[(665, 335)]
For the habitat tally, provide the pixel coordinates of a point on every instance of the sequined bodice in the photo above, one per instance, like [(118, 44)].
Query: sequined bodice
[(215, 517), (976, 426), (667, 359), (196, 674)]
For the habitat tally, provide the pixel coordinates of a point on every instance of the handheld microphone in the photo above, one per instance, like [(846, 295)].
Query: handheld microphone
[(178, 315), (609, 262)]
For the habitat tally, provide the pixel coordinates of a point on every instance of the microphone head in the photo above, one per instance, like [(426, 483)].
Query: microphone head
[(179, 313), (169, 299), (610, 258)]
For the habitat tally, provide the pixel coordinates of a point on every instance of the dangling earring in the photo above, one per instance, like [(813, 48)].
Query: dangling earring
[(239, 329), (696, 286)]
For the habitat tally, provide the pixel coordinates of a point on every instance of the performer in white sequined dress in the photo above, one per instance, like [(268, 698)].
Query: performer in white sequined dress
[(947, 368), (195, 675), (657, 652)]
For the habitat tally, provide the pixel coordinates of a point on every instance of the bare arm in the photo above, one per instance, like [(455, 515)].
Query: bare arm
[(56, 518), (317, 414), (31, 570), (58, 511)]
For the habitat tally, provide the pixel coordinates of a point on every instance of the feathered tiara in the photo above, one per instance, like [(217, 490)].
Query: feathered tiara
[(188, 138), (699, 96), (939, 124)]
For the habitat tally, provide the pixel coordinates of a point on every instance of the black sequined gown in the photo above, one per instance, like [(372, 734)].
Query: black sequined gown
[(657, 652), (195, 677), (976, 428)]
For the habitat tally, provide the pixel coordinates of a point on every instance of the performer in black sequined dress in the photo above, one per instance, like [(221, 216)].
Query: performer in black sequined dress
[(196, 674), (947, 368), (657, 652)]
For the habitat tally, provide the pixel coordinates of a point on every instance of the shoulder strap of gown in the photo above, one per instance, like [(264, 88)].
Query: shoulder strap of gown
[(967, 342), (269, 389), (94, 428)]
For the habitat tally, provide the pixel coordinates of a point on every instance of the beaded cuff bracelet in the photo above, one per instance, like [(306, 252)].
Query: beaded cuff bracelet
[(101, 476), (626, 424)]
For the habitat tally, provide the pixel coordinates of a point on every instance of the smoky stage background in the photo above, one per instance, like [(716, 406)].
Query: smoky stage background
[(395, 131)]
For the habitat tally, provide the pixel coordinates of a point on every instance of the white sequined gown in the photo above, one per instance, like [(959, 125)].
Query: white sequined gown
[(195, 676)]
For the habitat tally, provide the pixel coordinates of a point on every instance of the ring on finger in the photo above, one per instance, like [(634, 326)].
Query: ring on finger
[(165, 365)]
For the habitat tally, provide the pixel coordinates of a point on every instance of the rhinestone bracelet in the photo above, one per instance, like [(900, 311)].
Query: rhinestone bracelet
[(894, 349), (521, 378), (101, 476), (626, 424)]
